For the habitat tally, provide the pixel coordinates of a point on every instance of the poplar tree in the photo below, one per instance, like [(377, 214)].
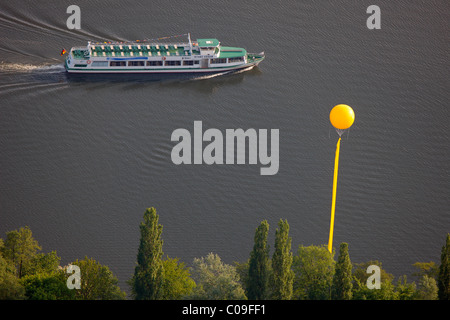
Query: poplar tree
[(444, 272), (283, 275), (342, 280), (147, 282), (258, 271)]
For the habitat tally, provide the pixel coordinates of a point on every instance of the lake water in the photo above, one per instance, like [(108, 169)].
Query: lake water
[(80, 161)]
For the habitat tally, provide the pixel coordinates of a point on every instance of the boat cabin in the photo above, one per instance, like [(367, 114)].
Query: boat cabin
[(208, 47)]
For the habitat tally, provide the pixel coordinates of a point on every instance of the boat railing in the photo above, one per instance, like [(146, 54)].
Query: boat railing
[(154, 41), (79, 48)]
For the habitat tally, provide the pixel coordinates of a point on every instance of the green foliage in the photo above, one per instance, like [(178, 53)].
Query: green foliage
[(359, 271), (360, 290), (314, 268), (20, 247), (50, 286), (404, 290), (242, 271), (258, 271), (42, 263), (427, 289), (147, 282), (97, 282), (342, 280), (215, 280), (283, 276), (43, 279), (444, 272), (177, 281), (10, 287), (311, 274)]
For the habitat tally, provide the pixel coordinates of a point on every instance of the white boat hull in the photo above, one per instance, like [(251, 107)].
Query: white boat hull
[(184, 71), (131, 70)]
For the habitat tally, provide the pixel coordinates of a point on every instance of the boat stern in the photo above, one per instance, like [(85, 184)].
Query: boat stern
[(78, 57)]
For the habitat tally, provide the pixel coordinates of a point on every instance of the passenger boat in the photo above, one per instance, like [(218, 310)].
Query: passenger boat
[(203, 56)]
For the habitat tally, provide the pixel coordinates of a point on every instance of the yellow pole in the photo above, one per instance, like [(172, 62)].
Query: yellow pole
[(333, 204)]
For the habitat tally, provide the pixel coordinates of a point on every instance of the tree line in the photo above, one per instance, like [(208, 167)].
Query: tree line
[(311, 274)]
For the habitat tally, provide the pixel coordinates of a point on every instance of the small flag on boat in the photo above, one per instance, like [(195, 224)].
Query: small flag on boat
[(63, 51)]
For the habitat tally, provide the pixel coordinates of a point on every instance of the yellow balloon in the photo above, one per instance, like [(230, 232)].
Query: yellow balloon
[(342, 116)]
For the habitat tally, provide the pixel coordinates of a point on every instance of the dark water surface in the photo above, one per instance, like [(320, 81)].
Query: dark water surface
[(81, 160)]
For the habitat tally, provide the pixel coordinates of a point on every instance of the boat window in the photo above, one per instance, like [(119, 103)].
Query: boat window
[(238, 59), (173, 63), (136, 63), (219, 60), (117, 64), (154, 63), (100, 63), (188, 62), (80, 65)]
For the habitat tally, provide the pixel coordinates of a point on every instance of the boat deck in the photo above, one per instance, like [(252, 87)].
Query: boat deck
[(147, 50), (135, 50)]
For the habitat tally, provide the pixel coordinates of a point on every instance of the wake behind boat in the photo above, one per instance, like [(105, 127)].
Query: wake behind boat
[(203, 56)]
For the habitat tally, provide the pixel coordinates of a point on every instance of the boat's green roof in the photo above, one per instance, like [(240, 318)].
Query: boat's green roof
[(208, 42), (232, 52)]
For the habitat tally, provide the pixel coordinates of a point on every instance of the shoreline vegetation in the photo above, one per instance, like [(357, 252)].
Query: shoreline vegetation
[(312, 273)]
